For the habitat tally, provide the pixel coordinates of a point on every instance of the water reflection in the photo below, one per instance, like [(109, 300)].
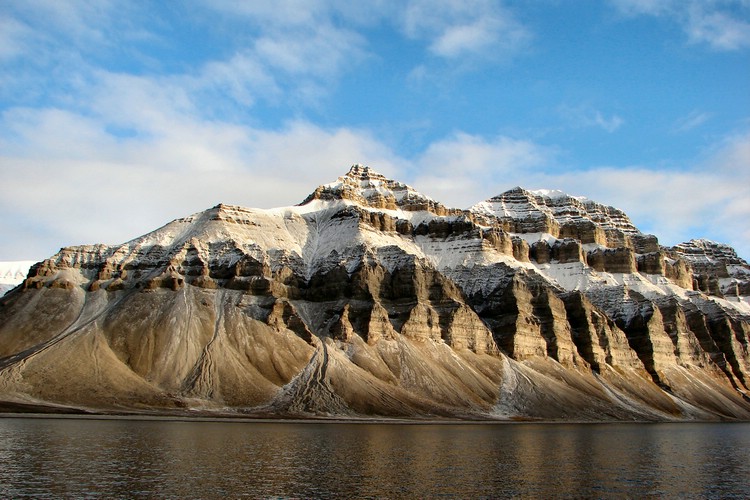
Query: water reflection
[(171, 459)]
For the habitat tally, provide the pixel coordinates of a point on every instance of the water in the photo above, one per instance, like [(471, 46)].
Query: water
[(81, 458)]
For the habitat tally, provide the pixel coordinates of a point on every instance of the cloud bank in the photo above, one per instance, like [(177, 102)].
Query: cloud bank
[(67, 180), (93, 150)]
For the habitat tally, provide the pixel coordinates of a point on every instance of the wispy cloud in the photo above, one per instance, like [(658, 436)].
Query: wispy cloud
[(50, 29), (298, 48), (74, 181), (721, 30), (12, 37), (723, 25), (456, 29), (287, 48), (609, 124), (286, 51), (693, 120), (292, 14), (588, 116)]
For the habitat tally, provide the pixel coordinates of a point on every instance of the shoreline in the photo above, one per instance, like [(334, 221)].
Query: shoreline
[(249, 419)]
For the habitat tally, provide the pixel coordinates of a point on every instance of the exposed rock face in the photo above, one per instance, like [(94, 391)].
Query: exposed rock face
[(717, 268), (558, 214), (612, 260), (369, 188), (372, 299)]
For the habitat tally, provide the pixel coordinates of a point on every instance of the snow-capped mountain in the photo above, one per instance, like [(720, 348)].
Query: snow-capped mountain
[(12, 274), (370, 298)]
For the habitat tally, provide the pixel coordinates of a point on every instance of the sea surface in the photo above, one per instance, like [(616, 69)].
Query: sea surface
[(121, 458)]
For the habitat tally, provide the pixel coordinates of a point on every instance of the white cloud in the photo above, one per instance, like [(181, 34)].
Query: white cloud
[(455, 29), (723, 25), (67, 180), (321, 38), (670, 204), (719, 29), (139, 151), (292, 48), (462, 170), (77, 184), (301, 55), (482, 34), (300, 65), (242, 77)]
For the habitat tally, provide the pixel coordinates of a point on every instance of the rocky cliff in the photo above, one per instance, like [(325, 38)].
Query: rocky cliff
[(371, 299)]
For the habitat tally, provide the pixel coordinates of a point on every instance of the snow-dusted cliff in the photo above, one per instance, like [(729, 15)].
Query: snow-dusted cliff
[(370, 298)]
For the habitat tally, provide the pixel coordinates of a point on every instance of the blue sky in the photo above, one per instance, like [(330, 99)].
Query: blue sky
[(119, 116)]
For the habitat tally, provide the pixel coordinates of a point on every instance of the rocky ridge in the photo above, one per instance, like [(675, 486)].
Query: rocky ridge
[(370, 298), (717, 269)]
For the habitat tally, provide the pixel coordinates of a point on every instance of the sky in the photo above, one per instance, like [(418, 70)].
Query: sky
[(118, 116)]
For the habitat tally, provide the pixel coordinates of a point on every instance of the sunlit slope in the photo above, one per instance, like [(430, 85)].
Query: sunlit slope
[(371, 299)]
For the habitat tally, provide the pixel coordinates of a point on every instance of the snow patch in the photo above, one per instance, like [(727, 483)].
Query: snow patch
[(555, 194), (13, 273)]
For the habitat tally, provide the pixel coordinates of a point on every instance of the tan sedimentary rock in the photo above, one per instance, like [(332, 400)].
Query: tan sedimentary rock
[(612, 260), (567, 250), (598, 339), (716, 268), (372, 299)]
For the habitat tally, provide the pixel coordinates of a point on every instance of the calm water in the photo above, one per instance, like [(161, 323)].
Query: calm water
[(171, 459)]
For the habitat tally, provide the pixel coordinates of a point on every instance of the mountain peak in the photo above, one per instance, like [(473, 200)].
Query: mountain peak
[(540, 194), (364, 173), (365, 187), (551, 211), (703, 249), (555, 194)]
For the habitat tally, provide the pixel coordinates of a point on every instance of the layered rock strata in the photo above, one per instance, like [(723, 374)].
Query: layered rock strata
[(370, 299)]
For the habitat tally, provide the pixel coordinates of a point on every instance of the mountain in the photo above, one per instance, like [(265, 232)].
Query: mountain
[(12, 274), (371, 299)]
